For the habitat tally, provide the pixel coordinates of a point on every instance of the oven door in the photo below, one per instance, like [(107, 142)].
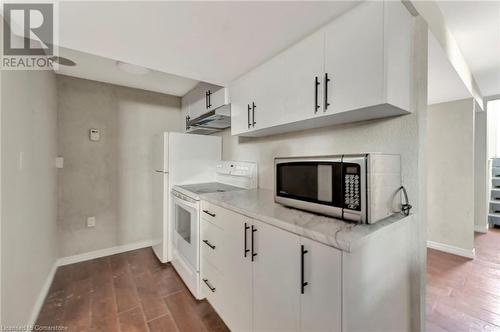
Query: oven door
[(186, 230), (313, 184)]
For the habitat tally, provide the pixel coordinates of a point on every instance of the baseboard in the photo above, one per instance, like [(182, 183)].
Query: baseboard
[(75, 259), (103, 252), (42, 295), (452, 249), (481, 229)]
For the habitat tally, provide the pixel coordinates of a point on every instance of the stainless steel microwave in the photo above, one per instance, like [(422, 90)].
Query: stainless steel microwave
[(361, 188)]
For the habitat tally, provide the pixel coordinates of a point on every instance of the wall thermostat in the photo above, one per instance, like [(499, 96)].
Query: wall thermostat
[(94, 134)]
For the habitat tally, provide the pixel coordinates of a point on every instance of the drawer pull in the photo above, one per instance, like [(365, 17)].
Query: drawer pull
[(209, 244), (210, 214), (209, 286)]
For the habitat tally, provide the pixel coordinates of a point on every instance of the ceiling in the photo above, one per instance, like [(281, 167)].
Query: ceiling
[(214, 42), (103, 69), (476, 28), (444, 84)]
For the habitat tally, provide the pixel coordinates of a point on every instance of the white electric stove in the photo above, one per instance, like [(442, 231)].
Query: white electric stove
[(230, 176)]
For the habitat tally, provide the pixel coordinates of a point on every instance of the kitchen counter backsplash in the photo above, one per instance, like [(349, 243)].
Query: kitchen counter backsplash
[(259, 204)]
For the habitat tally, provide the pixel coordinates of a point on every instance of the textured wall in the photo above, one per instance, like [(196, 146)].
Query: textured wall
[(29, 146), (393, 135), (451, 174), (110, 179)]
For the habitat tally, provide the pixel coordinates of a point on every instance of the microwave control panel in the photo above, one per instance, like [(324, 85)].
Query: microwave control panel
[(352, 196)]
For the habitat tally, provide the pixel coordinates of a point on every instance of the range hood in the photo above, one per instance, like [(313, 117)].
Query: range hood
[(210, 122)]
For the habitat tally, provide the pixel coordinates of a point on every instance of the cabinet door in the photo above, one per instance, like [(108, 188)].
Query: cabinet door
[(237, 275), (198, 99), (320, 303), (264, 87), (276, 279), (240, 92), (218, 98), (304, 62), (354, 58), (184, 111)]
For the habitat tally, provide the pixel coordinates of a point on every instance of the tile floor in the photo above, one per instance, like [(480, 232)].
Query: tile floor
[(125, 292)]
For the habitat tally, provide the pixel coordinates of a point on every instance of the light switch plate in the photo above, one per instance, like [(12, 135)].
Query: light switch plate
[(91, 222), (59, 162)]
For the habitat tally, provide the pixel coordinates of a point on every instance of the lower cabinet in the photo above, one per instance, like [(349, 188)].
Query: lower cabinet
[(237, 270), (262, 278), (228, 254), (276, 279), (268, 279), (321, 297)]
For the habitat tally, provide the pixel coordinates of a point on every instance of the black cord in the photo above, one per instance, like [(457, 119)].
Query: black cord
[(405, 208)]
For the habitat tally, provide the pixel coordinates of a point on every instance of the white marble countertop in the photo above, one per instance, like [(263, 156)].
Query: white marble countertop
[(259, 204)]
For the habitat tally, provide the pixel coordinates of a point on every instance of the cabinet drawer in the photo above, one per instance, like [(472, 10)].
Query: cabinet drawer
[(217, 215), (210, 213), (212, 244), (212, 286)]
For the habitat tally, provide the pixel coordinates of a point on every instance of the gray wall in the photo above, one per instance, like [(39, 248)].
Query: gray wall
[(110, 179), (451, 174), (29, 189)]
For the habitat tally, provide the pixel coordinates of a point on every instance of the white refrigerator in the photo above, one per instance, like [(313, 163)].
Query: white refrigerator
[(178, 159)]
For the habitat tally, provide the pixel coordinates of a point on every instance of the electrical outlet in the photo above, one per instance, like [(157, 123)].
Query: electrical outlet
[(91, 222)]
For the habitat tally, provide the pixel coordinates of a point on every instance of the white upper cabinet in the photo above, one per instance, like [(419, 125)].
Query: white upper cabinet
[(257, 99), (217, 98), (368, 58), (201, 99), (303, 86), (354, 51), (279, 90), (356, 68)]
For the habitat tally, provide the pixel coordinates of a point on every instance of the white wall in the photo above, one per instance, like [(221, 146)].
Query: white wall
[(28, 239), (481, 197), (493, 128), (431, 13), (110, 179), (451, 174)]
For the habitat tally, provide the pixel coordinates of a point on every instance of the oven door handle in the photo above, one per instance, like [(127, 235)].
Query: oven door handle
[(185, 203)]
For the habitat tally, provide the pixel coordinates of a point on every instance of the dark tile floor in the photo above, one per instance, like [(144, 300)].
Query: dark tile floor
[(464, 294), (125, 292), (134, 292)]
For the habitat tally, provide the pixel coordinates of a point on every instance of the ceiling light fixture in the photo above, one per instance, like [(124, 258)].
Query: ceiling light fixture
[(132, 69), (63, 61)]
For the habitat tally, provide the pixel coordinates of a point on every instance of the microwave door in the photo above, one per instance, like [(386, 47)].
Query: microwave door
[(314, 185)]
